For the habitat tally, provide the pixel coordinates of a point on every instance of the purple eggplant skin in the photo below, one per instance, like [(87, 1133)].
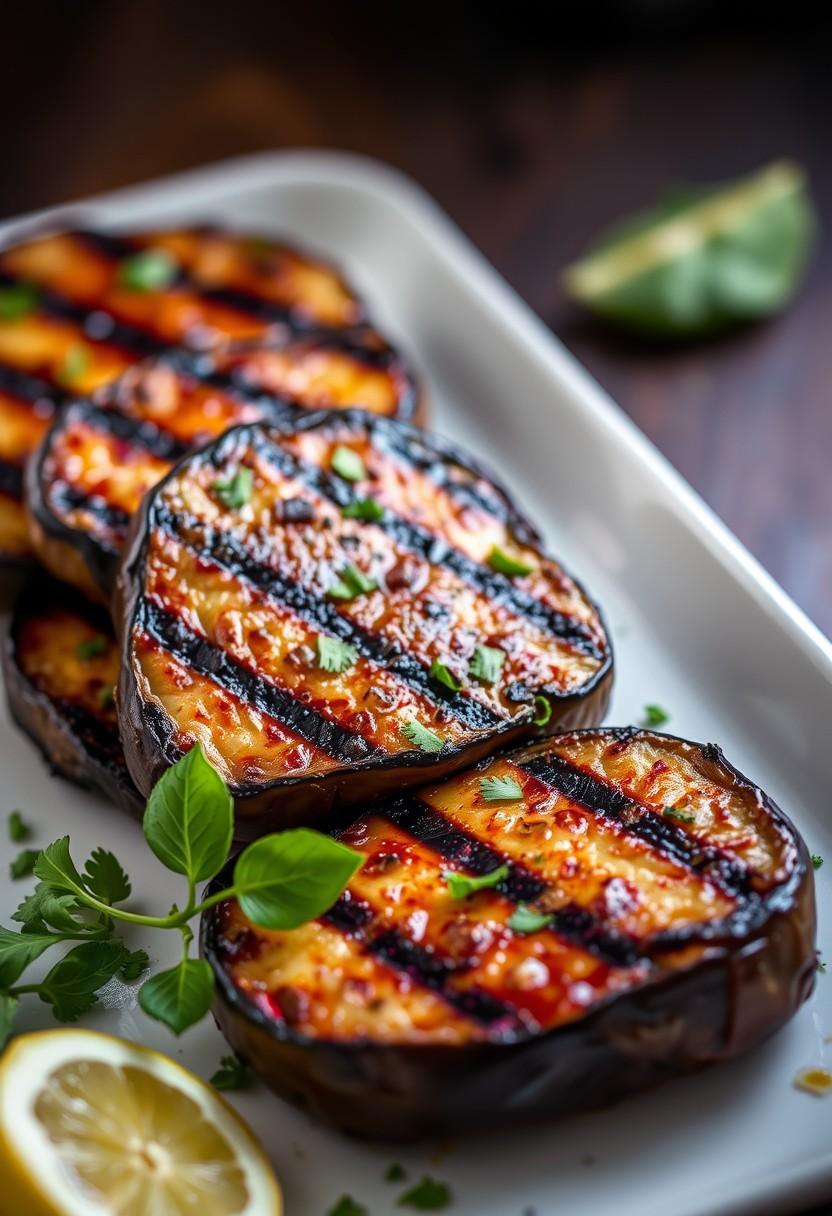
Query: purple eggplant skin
[(755, 974)]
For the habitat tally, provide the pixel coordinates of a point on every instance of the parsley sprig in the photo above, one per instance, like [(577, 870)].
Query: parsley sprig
[(280, 881)]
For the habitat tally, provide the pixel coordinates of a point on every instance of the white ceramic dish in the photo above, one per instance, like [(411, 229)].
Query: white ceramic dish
[(699, 627)]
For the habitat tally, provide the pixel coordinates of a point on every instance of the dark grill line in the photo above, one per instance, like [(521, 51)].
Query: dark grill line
[(137, 431), (229, 554), (210, 661), (574, 924), (29, 388), (353, 916), (11, 479), (437, 552), (638, 820), (64, 498)]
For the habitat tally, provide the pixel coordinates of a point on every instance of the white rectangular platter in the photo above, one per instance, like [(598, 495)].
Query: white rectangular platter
[(698, 626)]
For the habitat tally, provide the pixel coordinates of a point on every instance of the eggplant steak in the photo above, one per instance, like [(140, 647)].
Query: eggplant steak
[(338, 607), (551, 930), (77, 308), (60, 666), (102, 455)]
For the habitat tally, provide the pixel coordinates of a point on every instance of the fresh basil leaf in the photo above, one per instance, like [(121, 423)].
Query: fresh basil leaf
[(179, 997), (75, 364), (189, 818), (18, 301), (18, 950), (505, 563), (8, 1011), (56, 867), (525, 920), (234, 492), (135, 964), (351, 582), (287, 879), (19, 830), (364, 508), (91, 648), (150, 270), (422, 737), (500, 789), (429, 1195), (106, 878), (233, 1073), (346, 1206), (487, 663), (542, 711), (654, 715), (334, 655), (443, 675), (24, 864), (348, 464), (705, 261), (71, 986), (463, 885)]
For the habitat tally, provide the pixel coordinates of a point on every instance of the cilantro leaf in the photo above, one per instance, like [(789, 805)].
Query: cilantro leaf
[(46, 906), (335, 655), (91, 648), (443, 675), (134, 965), (18, 829), (348, 464), (18, 950), (105, 877), (24, 864), (17, 301), (364, 508), (654, 715), (351, 582), (487, 663), (500, 789), (234, 492), (233, 1073), (179, 997), (422, 737), (56, 867), (189, 819), (463, 885), (542, 711), (150, 270), (71, 986), (525, 920), (8, 1009), (429, 1195), (504, 563), (284, 880)]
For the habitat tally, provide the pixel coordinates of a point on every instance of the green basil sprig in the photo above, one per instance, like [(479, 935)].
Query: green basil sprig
[(281, 881), (702, 260)]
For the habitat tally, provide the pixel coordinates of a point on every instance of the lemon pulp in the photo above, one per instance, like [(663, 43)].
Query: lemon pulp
[(137, 1145)]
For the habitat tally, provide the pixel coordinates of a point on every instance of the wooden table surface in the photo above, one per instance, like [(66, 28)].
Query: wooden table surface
[(532, 139)]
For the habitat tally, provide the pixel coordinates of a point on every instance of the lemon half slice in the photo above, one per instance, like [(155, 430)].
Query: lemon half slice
[(93, 1126)]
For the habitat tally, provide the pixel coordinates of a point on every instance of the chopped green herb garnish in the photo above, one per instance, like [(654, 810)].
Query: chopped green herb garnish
[(351, 583), (75, 364), (500, 789), (18, 829), (542, 711), (348, 464), (425, 739), (234, 492), (683, 816), (427, 1196), (18, 300), (364, 508), (487, 663), (24, 864), (395, 1173), (150, 270), (817, 860), (232, 1073), (525, 920), (106, 697), (463, 885), (91, 648), (335, 655), (443, 675), (346, 1206), (654, 715), (504, 563)]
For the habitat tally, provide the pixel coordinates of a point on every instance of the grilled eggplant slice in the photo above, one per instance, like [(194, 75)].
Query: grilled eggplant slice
[(60, 666), (654, 913), (329, 606), (102, 455), (77, 308)]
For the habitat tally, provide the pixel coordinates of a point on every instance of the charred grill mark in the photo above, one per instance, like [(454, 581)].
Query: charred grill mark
[(215, 664), (226, 551), (66, 499), (353, 917), (27, 387), (436, 551), (574, 924), (99, 736), (580, 786), (11, 479), (138, 432)]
